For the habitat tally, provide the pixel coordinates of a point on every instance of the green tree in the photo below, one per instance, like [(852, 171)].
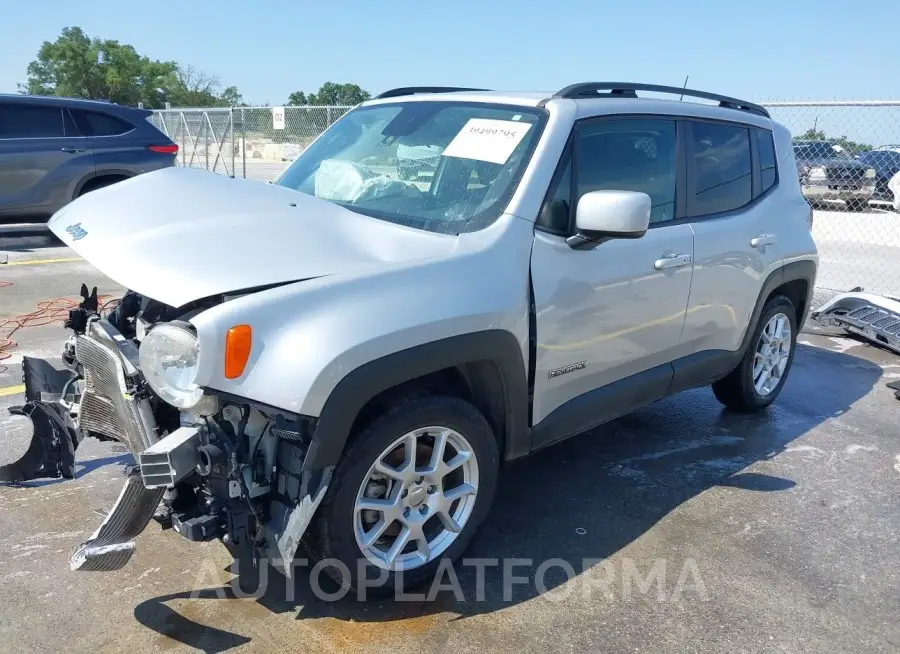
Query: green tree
[(75, 65), (193, 88), (331, 94), (853, 147), (231, 98)]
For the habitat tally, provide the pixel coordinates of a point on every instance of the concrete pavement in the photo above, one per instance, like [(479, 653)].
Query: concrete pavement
[(686, 528)]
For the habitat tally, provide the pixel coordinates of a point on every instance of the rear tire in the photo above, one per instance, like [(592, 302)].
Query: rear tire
[(341, 527), (746, 388)]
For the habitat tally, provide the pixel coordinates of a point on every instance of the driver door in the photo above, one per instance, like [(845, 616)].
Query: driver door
[(609, 319)]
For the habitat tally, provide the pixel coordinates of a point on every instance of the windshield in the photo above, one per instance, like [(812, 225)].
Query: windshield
[(447, 167), (821, 150)]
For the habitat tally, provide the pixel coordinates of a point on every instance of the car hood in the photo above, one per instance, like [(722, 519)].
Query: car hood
[(180, 234)]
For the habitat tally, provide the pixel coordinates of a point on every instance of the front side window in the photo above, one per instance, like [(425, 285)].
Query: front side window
[(722, 177), (556, 210), (447, 167), (629, 155), (20, 121)]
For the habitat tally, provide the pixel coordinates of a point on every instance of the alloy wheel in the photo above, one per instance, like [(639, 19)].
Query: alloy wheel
[(416, 498), (773, 352)]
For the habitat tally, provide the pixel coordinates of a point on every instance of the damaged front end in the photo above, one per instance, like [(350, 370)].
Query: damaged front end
[(222, 468)]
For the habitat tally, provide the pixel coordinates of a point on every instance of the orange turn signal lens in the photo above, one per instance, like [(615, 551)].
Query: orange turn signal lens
[(237, 350)]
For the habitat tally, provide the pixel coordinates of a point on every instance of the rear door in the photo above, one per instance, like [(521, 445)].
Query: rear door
[(731, 173), (42, 157)]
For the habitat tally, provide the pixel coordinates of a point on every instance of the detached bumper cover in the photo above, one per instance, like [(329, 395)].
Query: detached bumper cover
[(874, 317)]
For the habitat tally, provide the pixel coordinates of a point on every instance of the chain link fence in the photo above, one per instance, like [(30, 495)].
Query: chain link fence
[(837, 146), (252, 142), (856, 231)]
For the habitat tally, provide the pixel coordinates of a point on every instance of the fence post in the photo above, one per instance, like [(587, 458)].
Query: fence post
[(243, 144), (206, 130), (231, 117), (328, 117)]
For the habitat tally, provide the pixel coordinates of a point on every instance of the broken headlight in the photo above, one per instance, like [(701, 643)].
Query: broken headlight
[(168, 356)]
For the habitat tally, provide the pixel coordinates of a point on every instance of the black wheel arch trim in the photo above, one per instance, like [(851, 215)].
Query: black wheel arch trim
[(97, 174), (804, 270), (354, 391), (334, 424)]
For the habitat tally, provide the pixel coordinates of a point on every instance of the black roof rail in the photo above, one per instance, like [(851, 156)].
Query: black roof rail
[(412, 90), (628, 90)]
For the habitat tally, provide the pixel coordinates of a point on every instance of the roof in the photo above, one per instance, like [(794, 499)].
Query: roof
[(586, 107), (109, 107), (521, 98)]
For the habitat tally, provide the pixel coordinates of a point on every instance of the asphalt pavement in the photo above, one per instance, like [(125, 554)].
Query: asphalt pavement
[(681, 527)]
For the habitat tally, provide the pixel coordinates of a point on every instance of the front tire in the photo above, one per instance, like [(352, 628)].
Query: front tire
[(410, 491), (759, 377)]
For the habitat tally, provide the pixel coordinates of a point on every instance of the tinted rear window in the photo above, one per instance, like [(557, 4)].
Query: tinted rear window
[(95, 123), (768, 171), (21, 121), (722, 178)]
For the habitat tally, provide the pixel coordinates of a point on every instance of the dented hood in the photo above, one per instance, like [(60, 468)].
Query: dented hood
[(180, 234)]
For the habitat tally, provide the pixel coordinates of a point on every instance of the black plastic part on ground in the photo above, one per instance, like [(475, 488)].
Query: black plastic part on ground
[(895, 386), (51, 453)]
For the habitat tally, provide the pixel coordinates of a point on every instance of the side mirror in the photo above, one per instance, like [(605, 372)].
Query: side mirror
[(602, 215)]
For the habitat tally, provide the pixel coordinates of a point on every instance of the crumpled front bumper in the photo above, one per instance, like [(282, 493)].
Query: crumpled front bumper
[(109, 406), (113, 405)]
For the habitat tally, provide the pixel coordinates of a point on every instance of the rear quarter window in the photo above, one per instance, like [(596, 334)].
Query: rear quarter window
[(768, 169), (96, 123)]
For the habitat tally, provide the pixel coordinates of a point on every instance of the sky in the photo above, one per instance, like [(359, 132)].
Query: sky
[(764, 50)]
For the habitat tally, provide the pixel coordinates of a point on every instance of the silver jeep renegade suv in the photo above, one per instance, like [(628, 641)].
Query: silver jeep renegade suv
[(341, 361)]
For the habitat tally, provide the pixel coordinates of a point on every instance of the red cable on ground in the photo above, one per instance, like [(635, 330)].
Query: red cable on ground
[(48, 312)]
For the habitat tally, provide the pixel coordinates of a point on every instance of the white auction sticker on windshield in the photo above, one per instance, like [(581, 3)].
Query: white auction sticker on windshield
[(486, 139)]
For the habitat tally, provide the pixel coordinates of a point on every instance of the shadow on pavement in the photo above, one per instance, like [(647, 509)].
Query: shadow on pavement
[(586, 498), (26, 238)]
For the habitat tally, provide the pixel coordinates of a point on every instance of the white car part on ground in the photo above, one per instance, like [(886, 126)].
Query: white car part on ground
[(874, 317), (894, 186)]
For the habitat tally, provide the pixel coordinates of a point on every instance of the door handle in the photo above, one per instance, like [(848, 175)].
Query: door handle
[(763, 240), (72, 150), (673, 261)]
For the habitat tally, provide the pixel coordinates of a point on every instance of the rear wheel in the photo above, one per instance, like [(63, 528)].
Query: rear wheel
[(761, 374), (409, 492), (98, 183)]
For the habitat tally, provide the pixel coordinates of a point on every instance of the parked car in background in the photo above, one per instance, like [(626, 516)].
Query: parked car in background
[(886, 164), (894, 187), (53, 150), (828, 172)]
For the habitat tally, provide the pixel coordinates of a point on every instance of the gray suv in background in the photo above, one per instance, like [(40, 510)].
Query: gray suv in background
[(53, 150)]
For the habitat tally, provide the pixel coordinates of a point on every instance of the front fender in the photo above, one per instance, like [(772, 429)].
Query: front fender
[(309, 336)]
